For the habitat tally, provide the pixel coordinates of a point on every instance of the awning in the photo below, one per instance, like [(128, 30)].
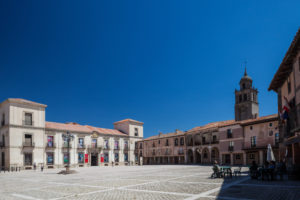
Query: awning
[(293, 140)]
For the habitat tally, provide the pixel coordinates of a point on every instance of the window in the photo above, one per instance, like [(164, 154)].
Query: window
[(116, 147), (252, 156), (28, 119), (126, 157), (244, 86), (176, 141), (237, 156), (276, 138), (251, 127), (299, 63), (214, 138), (229, 133), (50, 158), (158, 141), (28, 158), (106, 157), (136, 132), (141, 145), (289, 85), (141, 154), (3, 140), (106, 144), (66, 158), (181, 141), (94, 143), (271, 124), (28, 140), (253, 141), (125, 144), (240, 98), (81, 142), (3, 119), (203, 140), (270, 133), (231, 143), (116, 157), (50, 141), (245, 97), (167, 142), (80, 157)]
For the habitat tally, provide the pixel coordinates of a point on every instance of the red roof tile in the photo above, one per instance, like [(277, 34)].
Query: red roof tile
[(128, 120), (74, 127)]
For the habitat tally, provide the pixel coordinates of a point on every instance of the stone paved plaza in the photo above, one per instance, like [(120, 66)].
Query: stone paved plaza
[(140, 182)]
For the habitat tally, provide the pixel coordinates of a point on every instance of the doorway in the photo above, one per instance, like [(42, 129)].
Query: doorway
[(2, 159), (94, 159)]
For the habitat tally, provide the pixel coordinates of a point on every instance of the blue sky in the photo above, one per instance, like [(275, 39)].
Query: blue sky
[(171, 64)]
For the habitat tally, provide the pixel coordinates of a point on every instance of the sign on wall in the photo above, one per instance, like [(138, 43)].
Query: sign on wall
[(86, 158)]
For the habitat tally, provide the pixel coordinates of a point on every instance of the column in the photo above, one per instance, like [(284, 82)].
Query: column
[(231, 158), (261, 157), (244, 158)]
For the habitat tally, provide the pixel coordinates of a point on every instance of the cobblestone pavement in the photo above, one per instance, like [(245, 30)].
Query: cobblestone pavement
[(141, 182)]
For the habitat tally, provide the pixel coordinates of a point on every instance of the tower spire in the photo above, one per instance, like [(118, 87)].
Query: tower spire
[(245, 74)]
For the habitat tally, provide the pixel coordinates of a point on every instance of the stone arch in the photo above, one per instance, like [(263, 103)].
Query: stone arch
[(205, 156), (190, 156), (198, 156), (215, 154)]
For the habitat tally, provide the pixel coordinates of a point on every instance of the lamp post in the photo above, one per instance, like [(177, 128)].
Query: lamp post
[(68, 137)]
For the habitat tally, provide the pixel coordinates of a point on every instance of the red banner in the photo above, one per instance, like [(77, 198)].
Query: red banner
[(102, 159), (86, 158)]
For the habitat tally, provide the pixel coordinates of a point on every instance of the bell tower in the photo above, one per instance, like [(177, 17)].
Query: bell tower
[(246, 103)]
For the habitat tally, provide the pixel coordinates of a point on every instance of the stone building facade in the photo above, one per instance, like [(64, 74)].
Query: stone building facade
[(163, 148), (286, 83), (27, 138), (233, 142)]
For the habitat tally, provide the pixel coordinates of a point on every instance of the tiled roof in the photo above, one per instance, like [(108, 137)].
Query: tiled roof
[(178, 133), (128, 120), (74, 127), (24, 101), (260, 119), (214, 125)]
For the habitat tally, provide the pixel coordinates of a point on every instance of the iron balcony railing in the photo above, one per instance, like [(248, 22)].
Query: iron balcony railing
[(50, 145), (27, 123), (28, 144), (80, 146)]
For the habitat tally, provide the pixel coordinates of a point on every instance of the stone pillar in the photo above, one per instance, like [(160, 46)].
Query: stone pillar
[(194, 156), (220, 159), (244, 158), (261, 157), (231, 158)]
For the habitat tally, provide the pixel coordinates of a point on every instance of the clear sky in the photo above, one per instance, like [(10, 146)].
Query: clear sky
[(171, 64)]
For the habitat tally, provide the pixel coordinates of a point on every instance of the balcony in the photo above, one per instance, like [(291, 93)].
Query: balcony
[(106, 147), (126, 148), (94, 148), (180, 152), (81, 146), (65, 145), (215, 142), (205, 143), (28, 144), (50, 146), (230, 148), (116, 148), (27, 123)]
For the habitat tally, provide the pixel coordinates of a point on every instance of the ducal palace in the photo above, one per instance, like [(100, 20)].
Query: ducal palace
[(27, 139)]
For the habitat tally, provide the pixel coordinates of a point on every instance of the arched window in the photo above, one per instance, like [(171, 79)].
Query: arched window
[(245, 97), (176, 141)]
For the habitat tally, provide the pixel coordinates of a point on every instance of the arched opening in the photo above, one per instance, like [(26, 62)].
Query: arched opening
[(215, 154), (205, 156), (198, 156), (190, 156)]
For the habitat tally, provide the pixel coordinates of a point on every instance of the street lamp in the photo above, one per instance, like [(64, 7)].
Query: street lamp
[(67, 138)]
